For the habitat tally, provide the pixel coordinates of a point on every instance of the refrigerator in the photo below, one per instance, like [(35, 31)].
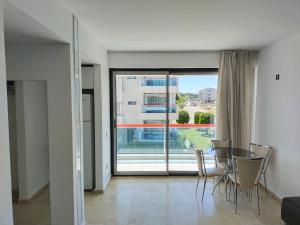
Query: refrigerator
[(88, 141)]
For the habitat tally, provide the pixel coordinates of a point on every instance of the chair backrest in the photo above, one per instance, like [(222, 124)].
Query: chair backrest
[(221, 143), (200, 161), (249, 171), (221, 157), (262, 151)]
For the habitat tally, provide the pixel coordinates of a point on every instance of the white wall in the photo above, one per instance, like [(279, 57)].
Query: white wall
[(11, 101), (32, 119), (44, 11), (51, 62), (92, 52), (163, 59), (57, 72), (6, 217), (278, 110), (87, 77), (96, 54)]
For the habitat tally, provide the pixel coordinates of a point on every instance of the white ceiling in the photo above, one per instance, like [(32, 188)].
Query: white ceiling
[(152, 25), (20, 28)]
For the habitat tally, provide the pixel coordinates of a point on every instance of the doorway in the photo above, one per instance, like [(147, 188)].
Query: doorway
[(29, 151), (158, 116)]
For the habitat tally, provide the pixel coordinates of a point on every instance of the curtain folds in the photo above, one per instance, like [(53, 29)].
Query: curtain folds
[(235, 96)]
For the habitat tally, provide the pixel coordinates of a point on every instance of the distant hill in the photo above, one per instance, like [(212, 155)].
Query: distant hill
[(190, 96)]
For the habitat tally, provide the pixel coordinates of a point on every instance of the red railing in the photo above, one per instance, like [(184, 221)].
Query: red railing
[(163, 125)]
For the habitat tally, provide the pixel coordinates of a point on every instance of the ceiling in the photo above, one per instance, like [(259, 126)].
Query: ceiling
[(20, 28), (176, 25)]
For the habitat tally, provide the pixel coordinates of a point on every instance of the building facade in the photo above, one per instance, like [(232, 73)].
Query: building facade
[(142, 101), (208, 95)]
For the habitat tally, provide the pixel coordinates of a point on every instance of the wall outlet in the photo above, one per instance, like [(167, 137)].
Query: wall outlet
[(277, 77)]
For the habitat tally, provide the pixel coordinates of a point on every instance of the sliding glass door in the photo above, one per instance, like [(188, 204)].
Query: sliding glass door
[(154, 124), (141, 114), (193, 123)]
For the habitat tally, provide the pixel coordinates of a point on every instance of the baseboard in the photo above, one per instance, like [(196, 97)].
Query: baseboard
[(97, 191), (271, 194), (101, 191), (34, 196), (106, 183)]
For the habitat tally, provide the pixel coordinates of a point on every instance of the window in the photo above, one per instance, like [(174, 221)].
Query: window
[(131, 102), (152, 136), (155, 99), (158, 82)]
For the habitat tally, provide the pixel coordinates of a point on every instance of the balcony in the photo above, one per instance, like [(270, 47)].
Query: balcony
[(142, 147), (158, 82), (158, 109)]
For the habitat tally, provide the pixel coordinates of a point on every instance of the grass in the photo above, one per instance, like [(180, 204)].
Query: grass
[(196, 136)]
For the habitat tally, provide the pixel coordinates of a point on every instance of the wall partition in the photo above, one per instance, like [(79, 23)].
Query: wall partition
[(157, 116)]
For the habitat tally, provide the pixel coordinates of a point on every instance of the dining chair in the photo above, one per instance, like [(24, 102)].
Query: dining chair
[(205, 172), (264, 152), (246, 174), (221, 159)]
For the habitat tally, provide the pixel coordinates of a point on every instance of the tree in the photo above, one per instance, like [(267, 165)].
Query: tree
[(207, 118), (183, 117), (197, 116), (180, 100)]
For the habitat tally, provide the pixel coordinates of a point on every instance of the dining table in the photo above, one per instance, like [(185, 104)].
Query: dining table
[(227, 155)]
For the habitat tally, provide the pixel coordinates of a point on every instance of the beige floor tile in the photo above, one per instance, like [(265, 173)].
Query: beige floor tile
[(158, 201), (172, 201)]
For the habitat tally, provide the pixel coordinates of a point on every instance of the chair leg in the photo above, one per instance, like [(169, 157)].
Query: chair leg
[(265, 181), (226, 181), (218, 182), (236, 199), (230, 187), (258, 205), (233, 191), (203, 189), (197, 184), (249, 194)]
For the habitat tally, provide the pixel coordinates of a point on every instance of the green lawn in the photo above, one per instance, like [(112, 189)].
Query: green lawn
[(196, 136)]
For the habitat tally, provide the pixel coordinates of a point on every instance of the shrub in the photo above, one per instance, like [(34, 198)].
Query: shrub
[(197, 117), (206, 118), (183, 117)]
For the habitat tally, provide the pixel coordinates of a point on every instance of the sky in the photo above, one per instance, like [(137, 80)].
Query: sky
[(193, 84)]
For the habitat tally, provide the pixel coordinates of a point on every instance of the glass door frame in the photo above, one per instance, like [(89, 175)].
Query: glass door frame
[(113, 73)]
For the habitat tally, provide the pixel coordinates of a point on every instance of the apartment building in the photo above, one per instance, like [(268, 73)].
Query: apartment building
[(142, 101), (208, 95)]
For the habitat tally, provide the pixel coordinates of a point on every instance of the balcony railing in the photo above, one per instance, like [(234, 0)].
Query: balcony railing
[(158, 82), (142, 147), (158, 109)]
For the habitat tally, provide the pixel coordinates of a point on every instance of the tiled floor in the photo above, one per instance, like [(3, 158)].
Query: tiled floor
[(158, 201), (34, 213), (172, 201)]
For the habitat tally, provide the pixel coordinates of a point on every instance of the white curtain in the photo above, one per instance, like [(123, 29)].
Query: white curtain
[(235, 96)]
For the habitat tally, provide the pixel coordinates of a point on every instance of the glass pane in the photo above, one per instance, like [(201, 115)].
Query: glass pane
[(141, 123), (194, 97)]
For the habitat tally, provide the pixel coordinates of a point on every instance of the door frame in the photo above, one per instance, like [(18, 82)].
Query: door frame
[(112, 88)]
